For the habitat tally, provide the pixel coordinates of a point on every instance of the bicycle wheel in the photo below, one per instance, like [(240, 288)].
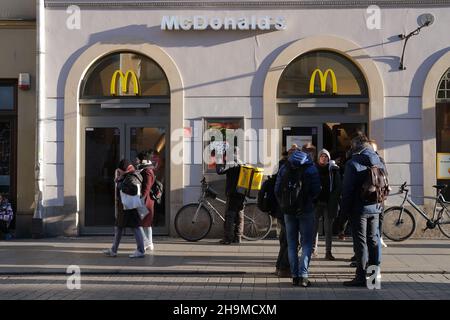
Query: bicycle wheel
[(398, 225), (444, 223), (257, 224), (193, 223)]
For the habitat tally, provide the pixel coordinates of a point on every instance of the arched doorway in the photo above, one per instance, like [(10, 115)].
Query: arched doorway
[(322, 98), (443, 131), (125, 110), (73, 121), (343, 47)]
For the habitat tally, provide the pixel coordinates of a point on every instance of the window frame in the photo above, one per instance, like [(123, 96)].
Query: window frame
[(205, 143)]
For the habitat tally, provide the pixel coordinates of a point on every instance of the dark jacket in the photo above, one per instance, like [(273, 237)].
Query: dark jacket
[(335, 189), (311, 179), (125, 218), (235, 200), (356, 170), (148, 178)]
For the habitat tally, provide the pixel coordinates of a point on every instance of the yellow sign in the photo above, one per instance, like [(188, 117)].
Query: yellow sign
[(323, 80), (443, 165), (124, 82)]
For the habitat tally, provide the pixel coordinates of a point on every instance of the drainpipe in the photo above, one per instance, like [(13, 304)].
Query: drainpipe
[(37, 227)]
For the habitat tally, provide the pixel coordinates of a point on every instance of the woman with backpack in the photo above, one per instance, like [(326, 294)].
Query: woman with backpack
[(126, 218), (145, 167)]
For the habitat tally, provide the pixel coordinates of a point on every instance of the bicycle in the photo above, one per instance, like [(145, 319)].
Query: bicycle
[(399, 223), (193, 221)]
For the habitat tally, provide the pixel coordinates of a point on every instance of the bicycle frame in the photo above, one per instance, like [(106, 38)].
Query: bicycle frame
[(438, 200)]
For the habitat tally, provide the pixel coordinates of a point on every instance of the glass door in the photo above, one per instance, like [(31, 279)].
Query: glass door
[(7, 172), (144, 138), (103, 150), (301, 136), (105, 143)]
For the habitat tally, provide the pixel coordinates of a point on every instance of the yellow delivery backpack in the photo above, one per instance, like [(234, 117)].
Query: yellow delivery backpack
[(250, 180)]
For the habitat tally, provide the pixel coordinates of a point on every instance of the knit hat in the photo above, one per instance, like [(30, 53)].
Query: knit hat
[(325, 151)]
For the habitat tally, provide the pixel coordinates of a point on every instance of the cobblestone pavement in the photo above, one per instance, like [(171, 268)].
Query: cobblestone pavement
[(416, 269)]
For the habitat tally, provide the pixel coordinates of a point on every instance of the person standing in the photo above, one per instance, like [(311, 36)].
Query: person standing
[(6, 216), (234, 215), (145, 166), (328, 202), (296, 187), (364, 216), (125, 218), (282, 265)]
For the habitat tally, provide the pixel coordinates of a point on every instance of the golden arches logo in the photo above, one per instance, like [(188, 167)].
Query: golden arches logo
[(124, 81), (323, 80)]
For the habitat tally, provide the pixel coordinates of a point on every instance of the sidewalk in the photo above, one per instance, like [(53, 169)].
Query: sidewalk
[(177, 256), (178, 270)]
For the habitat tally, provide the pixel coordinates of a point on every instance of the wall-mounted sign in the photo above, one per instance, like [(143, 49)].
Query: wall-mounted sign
[(443, 165), (123, 82), (225, 23), (323, 80)]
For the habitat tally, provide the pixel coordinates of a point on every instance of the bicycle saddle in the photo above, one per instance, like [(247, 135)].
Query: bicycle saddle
[(440, 186)]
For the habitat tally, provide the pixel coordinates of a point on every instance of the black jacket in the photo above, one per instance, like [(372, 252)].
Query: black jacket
[(235, 199)]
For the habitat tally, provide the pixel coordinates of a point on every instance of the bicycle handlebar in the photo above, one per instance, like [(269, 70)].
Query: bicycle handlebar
[(402, 187)]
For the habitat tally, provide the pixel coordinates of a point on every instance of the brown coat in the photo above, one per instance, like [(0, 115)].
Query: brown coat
[(148, 179)]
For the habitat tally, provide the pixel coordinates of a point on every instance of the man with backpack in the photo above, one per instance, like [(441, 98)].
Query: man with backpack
[(364, 189), (296, 187)]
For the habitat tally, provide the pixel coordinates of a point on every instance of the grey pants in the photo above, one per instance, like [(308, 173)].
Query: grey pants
[(322, 211), (118, 231), (234, 225)]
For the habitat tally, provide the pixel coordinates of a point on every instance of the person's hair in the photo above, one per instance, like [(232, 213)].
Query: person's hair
[(144, 155), (359, 139), (310, 149), (284, 154), (124, 164)]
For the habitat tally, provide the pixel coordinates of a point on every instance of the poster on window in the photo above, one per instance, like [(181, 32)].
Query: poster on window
[(443, 166), (298, 140)]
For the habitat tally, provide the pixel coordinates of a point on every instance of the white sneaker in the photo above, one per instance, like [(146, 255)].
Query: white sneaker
[(109, 253), (383, 243), (150, 247), (137, 254)]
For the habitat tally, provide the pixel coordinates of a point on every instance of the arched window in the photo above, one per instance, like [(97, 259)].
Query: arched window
[(124, 75), (321, 74), (443, 131), (444, 87)]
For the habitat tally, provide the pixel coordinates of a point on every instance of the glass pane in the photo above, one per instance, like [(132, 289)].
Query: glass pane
[(443, 127), (5, 158), (102, 80), (6, 97), (217, 147), (102, 158), (297, 77), (152, 140)]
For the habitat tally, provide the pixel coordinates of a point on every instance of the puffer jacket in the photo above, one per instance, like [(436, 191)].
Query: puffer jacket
[(311, 179)]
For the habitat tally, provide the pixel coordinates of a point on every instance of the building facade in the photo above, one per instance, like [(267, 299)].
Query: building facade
[(18, 109), (126, 76)]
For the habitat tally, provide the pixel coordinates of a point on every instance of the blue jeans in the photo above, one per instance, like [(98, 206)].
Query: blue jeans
[(366, 241), (299, 228)]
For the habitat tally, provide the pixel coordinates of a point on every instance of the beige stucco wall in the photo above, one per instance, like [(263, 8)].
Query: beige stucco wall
[(19, 56)]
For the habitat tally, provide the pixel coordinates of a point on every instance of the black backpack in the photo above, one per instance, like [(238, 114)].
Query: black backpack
[(266, 196), (156, 192), (375, 187), (129, 184), (291, 191)]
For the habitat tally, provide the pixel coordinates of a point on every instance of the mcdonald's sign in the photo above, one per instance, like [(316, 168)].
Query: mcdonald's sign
[(123, 80), (323, 80)]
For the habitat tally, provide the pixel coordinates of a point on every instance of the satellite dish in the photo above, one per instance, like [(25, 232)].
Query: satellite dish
[(426, 19)]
